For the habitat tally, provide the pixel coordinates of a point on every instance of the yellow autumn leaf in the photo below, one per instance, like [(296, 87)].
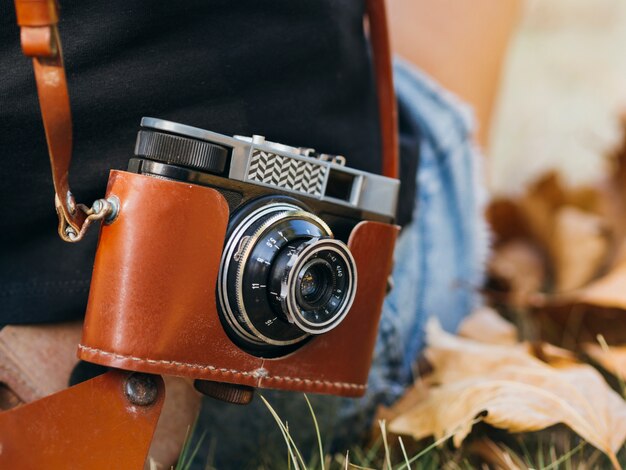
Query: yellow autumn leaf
[(506, 387)]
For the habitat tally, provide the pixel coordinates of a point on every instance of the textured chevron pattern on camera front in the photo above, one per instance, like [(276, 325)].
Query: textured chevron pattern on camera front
[(287, 172)]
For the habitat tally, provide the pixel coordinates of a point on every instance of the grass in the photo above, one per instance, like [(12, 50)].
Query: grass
[(555, 448), (187, 453)]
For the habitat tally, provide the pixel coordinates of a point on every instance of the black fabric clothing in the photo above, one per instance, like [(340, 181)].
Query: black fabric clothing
[(296, 72)]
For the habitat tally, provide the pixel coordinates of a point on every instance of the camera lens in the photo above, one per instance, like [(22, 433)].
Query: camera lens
[(315, 283), (282, 278)]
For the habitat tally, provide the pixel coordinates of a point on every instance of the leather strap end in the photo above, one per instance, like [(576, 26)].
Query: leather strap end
[(71, 224), (36, 12)]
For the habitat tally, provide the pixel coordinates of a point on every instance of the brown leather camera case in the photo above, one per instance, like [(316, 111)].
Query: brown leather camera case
[(152, 305)]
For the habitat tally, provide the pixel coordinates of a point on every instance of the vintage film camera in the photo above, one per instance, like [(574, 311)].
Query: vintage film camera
[(241, 263)]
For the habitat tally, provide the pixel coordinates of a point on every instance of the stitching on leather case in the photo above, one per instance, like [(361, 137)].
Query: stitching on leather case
[(231, 371)]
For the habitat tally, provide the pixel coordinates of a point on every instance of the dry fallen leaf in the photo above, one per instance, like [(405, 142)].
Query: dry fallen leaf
[(417, 393), (618, 175), (496, 456), (508, 388), (486, 325), (612, 359), (578, 247), (538, 205), (598, 308), (506, 220), (571, 324), (550, 354), (519, 268), (608, 291)]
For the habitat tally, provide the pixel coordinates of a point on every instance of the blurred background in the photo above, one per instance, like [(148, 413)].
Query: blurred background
[(562, 92), (546, 78)]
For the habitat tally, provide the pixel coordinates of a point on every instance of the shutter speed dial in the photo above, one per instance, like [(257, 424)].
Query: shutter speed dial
[(181, 151)]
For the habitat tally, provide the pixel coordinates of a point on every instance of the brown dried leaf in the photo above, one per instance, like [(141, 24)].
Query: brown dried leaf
[(539, 204), (520, 267), (416, 394), (618, 176), (612, 359), (496, 456), (569, 224), (487, 326), (550, 354), (613, 211), (587, 198), (571, 323), (506, 220), (578, 247), (454, 358), (581, 315), (508, 388), (608, 291)]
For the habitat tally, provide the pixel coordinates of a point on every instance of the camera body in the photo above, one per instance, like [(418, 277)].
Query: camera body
[(241, 261)]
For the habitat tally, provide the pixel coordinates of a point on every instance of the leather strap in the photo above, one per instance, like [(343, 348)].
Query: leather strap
[(37, 360), (95, 425), (387, 109), (40, 40)]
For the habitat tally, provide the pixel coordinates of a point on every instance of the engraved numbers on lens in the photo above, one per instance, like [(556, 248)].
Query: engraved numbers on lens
[(268, 301)]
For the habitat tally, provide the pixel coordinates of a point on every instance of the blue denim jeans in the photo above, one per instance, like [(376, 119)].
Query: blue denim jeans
[(439, 262)]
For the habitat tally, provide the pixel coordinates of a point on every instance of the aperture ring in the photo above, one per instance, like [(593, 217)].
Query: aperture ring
[(232, 254), (249, 248)]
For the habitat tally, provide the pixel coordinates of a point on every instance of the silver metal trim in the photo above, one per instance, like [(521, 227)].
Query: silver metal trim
[(288, 293), (229, 250), (249, 246), (370, 193), (233, 246)]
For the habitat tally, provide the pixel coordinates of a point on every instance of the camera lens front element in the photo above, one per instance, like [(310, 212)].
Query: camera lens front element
[(317, 283), (282, 278)]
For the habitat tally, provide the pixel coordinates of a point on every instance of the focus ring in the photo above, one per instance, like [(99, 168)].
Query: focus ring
[(181, 151)]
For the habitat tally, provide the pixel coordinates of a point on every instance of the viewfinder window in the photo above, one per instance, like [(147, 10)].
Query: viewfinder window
[(339, 185)]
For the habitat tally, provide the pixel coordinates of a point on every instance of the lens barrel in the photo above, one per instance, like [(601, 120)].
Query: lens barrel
[(317, 280), (282, 278)]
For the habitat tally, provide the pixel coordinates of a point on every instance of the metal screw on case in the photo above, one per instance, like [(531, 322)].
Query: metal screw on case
[(102, 209), (141, 389), (111, 205)]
